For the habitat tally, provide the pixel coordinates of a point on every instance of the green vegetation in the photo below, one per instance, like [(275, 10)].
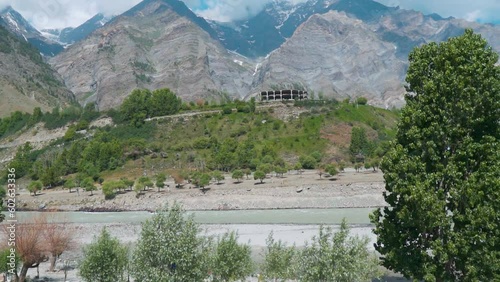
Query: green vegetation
[(170, 248), (330, 249), (231, 261), (442, 173), (35, 186), (249, 139), (142, 104), (104, 260)]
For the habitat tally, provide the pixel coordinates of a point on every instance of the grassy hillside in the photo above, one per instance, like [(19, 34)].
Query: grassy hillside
[(205, 138)]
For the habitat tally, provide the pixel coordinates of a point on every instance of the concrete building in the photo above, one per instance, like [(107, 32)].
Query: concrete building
[(283, 95)]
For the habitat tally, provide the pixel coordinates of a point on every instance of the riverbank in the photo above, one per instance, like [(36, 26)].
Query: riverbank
[(307, 190), (254, 235)]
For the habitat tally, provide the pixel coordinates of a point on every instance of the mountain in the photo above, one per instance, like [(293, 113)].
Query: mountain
[(338, 56), (158, 43), (371, 61), (26, 81), (15, 23), (70, 35), (269, 29), (341, 48)]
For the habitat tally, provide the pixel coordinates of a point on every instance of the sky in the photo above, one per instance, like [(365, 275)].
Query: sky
[(63, 13)]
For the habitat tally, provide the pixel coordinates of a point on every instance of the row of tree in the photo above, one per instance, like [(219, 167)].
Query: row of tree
[(172, 247)]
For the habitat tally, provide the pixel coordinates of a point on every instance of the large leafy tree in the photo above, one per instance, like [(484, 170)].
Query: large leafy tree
[(104, 260), (443, 172), (231, 261), (171, 248)]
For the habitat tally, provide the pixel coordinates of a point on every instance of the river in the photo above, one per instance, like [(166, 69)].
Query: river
[(354, 216)]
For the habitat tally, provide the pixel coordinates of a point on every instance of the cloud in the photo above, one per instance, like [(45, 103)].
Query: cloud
[(227, 10), (477, 10), (63, 13)]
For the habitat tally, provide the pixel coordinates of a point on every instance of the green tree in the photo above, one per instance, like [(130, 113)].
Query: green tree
[(204, 180), (164, 102), (337, 256), (170, 248), (359, 142), (127, 183), (218, 176), (280, 261), (308, 162), (144, 183), (442, 173), (69, 184), (135, 108), (104, 260), (160, 180), (88, 185), (109, 189), (361, 101), (297, 167), (238, 175), (259, 175), (231, 261), (247, 172), (357, 166), (35, 186)]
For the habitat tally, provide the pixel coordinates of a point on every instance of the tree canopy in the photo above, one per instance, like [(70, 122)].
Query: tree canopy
[(104, 260), (442, 173), (142, 104), (170, 249)]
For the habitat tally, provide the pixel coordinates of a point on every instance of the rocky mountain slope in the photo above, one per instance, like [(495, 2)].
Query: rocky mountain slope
[(158, 43), (26, 81), (16, 24), (341, 48), (339, 56), (359, 48)]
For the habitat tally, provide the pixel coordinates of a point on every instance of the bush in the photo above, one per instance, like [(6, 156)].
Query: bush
[(337, 257), (308, 162), (171, 248), (280, 261), (361, 101), (231, 261), (238, 175), (227, 110), (104, 260), (259, 175)]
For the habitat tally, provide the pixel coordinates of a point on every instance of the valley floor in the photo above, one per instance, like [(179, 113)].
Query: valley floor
[(307, 190)]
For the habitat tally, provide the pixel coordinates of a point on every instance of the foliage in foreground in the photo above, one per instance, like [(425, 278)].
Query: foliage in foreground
[(331, 256), (105, 260), (443, 171), (170, 248)]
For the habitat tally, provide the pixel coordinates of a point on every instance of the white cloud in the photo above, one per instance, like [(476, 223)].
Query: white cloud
[(63, 13), (477, 10), (227, 10)]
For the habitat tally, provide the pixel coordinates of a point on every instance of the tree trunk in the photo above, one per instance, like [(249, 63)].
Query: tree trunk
[(22, 274), (52, 261)]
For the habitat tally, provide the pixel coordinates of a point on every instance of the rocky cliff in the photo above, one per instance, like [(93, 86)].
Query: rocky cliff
[(156, 44), (338, 56), (26, 81)]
